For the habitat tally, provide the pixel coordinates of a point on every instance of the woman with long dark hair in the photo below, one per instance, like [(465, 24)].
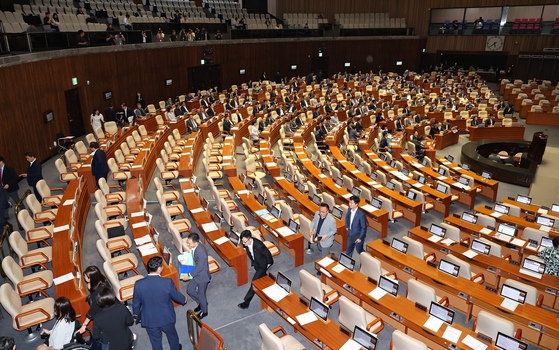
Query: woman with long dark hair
[(61, 332), (95, 282), (112, 323)]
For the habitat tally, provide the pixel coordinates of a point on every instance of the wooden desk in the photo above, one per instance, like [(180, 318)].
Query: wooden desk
[(542, 118), (236, 257), (293, 244), (399, 312), (149, 121), (229, 163), (444, 140), (189, 158), (62, 246), (489, 188), (496, 132), (529, 209), (270, 135), (470, 297), (466, 196), (520, 223), (134, 204), (212, 127), (289, 308), (144, 165)]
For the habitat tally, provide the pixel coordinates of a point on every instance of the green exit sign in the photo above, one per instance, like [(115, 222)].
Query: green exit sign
[(202, 61), (74, 81)]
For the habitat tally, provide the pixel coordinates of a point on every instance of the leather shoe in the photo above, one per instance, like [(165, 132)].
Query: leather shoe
[(198, 308), (201, 315), (243, 305)]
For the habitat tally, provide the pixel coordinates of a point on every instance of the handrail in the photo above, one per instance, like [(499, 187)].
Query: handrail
[(5, 232), (18, 206)]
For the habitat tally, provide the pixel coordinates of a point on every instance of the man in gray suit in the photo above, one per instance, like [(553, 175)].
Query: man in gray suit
[(323, 229), (200, 275)]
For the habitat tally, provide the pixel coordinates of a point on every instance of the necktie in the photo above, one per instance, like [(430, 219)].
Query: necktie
[(1, 171)]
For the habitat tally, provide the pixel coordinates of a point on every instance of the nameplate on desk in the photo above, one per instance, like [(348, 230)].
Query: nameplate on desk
[(197, 210), (61, 228), (492, 290), (86, 165), (420, 307), (188, 190), (136, 166), (484, 338), (64, 278), (68, 202), (137, 214), (139, 224), (184, 180)]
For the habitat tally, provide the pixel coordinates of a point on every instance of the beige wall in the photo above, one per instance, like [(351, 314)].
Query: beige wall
[(441, 15), (551, 13), (524, 12), (491, 13)]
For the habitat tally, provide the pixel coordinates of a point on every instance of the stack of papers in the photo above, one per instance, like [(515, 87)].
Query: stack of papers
[(267, 217), (142, 240), (280, 178), (147, 249), (139, 224), (377, 293), (496, 215), (221, 240), (61, 228), (261, 212), (325, 262), (542, 211), (347, 195), (369, 208), (275, 292), (518, 242), (452, 334), (470, 253), (351, 344), (377, 186), (68, 202), (137, 214), (434, 238), (485, 231), (418, 185), (242, 192), (197, 210), (285, 231), (305, 318), (270, 164), (509, 304), (209, 227), (447, 241), (338, 268), (433, 323), (67, 277), (321, 176), (188, 190), (474, 343)]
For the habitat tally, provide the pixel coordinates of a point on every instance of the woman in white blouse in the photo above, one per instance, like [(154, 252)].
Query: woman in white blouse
[(171, 114), (64, 327), (96, 119)]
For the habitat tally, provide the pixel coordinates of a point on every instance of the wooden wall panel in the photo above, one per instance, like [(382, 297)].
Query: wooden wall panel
[(416, 12), (30, 89)]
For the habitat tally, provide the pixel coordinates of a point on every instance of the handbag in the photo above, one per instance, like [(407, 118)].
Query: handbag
[(97, 344)]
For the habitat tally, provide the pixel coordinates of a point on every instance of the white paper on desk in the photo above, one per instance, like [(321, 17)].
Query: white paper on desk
[(509, 304), (496, 215), (338, 268), (347, 195), (136, 166), (280, 178), (338, 186), (305, 318), (290, 320), (197, 210), (369, 208), (139, 224), (545, 228), (221, 240), (184, 180), (377, 160), (136, 214), (433, 323), (325, 262), (227, 157), (150, 251), (299, 153), (452, 334), (61, 228), (143, 240), (209, 227), (267, 217), (356, 171), (343, 161), (377, 186), (403, 177), (485, 231), (263, 149), (446, 163), (447, 241), (87, 165), (542, 211), (418, 185), (371, 183), (188, 190), (243, 192), (441, 178), (184, 154), (271, 164), (351, 344), (284, 231), (377, 293), (434, 238), (322, 176), (386, 166), (68, 202), (64, 278), (473, 343), (469, 253), (275, 292), (518, 242)]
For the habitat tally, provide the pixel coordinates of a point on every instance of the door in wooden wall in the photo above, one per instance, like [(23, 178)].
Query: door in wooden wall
[(74, 112), (204, 77), (320, 64)]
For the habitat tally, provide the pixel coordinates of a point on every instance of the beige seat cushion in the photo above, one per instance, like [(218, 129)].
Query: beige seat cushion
[(290, 343), (47, 251), (128, 293), (45, 304), (327, 290), (43, 232), (45, 275), (121, 241)]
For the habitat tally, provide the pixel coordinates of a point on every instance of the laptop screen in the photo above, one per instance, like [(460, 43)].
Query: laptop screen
[(421, 180), (293, 225), (555, 208), (374, 176), (513, 293), (347, 262), (441, 188), (400, 246), (468, 217), (275, 211), (405, 171), (449, 268), (442, 170), (487, 175), (545, 221), (450, 158), (463, 181), (361, 168), (317, 164), (388, 285), (356, 191), (441, 312), (337, 212), (390, 185), (234, 238), (289, 177), (546, 242), (316, 199), (377, 203), (319, 309), (503, 209), (260, 199), (533, 265), (480, 247), (505, 342), (411, 195), (284, 282), (365, 339), (424, 163), (505, 229), (393, 164), (437, 230), (382, 156), (523, 199), (301, 187), (340, 182), (466, 166)]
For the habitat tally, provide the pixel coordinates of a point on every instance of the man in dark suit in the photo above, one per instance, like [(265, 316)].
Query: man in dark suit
[(227, 124), (110, 114), (191, 124), (210, 111), (435, 130), (260, 257), (99, 167), (33, 174), (356, 225), (304, 103), (202, 114), (9, 181), (200, 275), (128, 114), (490, 121), (398, 125), (153, 297)]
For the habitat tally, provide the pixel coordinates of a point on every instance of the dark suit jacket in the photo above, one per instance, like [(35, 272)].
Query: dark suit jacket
[(227, 126), (191, 125), (328, 108), (210, 112), (359, 226), (112, 324), (110, 115), (262, 256), (434, 130), (474, 123), (99, 165), (489, 122), (201, 270), (153, 296), (34, 173), (10, 178)]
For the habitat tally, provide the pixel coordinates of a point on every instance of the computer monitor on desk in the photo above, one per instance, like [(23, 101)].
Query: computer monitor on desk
[(260, 199), (469, 217), (486, 175), (437, 230), (388, 285), (421, 180), (356, 191), (480, 247), (284, 282), (533, 265), (390, 185), (411, 195), (545, 221), (450, 158), (441, 188), (524, 199), (464, 181), (316, 199), (347, 261), (506, 229), (466, 166), (442, 313), (500, 208), (293, 226), (364, 339), (275, 211), (449, 268), (337, 213), (340, 182), (319, 309), (377, 203), (555, 208), (514, 294), (546, 242), (505, 342), (233, 237), (399, 245)]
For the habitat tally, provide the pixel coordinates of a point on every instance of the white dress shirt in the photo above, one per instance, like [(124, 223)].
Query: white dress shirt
[(352, 215)]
